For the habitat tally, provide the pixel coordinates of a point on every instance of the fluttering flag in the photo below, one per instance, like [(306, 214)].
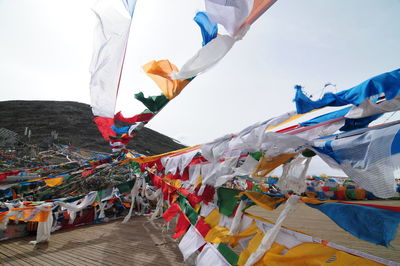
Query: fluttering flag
[(104, 125), (236, 17), (159, 72), (209, 30), (145, 117), (375, 225), (129, 5), (186, 213), (191, 242), (173, 210), (31, 214), (369, 108), (386, 83), (120, 130), (349, 123), (206, 57), (153, 103), (352, 124), (188, 210), (228, 200), (266, 165), (181, 226), (218, 234), (211, 256), (202, 227), (293, 175), (228, 253), (371, 157), (251, 248), (265, 200), (312, 254), (259, 7), (230, 14), (326, 117), (110, 40)]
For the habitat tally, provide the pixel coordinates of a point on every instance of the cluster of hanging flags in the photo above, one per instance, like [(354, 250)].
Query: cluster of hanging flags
[(212, 218), (15, 182), (188, 180), (59, 213), (191, 183), (111, 38)]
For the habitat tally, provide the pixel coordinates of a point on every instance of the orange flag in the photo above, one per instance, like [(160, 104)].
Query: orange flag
[(159, 72)]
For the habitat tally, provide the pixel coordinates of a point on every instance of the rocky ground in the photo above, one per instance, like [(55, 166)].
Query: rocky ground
[(73, 123)]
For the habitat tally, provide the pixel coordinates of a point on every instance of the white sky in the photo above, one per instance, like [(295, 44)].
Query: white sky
[(46, 48)]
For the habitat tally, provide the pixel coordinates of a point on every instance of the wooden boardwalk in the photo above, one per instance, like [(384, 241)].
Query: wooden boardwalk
[(138, 242)]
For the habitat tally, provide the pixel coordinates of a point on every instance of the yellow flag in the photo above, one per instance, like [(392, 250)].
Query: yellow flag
[(312, 254), (266, 165), (251, 248), (213, 218), (218, 234), (52, 182), (263, 200)]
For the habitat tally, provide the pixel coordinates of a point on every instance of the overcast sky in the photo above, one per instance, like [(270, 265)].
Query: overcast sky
[(46, 48)]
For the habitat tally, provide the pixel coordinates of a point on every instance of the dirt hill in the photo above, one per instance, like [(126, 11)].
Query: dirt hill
[(73, 123)]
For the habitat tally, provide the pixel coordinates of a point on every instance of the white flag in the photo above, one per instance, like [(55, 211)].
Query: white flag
[(110, 39), (191, 242)]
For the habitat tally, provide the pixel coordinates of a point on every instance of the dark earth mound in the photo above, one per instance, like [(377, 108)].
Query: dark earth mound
[(73, 123)]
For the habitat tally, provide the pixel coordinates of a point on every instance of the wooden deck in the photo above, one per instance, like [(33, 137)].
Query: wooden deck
[(141, 242), (138, 242)]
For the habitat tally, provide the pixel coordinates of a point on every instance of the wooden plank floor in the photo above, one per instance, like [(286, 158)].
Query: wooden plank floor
[(141, 242), (138, 242)]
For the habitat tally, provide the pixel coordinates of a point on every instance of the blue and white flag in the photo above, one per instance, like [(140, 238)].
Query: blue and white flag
[(386, 84), (371, 159)]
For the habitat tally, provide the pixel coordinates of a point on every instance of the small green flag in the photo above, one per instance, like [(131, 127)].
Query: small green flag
[(228, 254), (153, 103), (227, 200)]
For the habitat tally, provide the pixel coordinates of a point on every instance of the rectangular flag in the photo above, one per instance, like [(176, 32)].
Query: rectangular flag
[(110, 39)]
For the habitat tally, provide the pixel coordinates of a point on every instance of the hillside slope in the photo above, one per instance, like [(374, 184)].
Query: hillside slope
[(73, 123)]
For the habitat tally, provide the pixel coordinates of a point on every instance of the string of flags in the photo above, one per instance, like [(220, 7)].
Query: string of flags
[(209, 187), (106, 73), (216, 216), (191, 184)]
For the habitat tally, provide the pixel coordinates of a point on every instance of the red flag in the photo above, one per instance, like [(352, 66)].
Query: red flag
[(202, 227), (171, 212), (182, 225), (104, 125), (144, 117)]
